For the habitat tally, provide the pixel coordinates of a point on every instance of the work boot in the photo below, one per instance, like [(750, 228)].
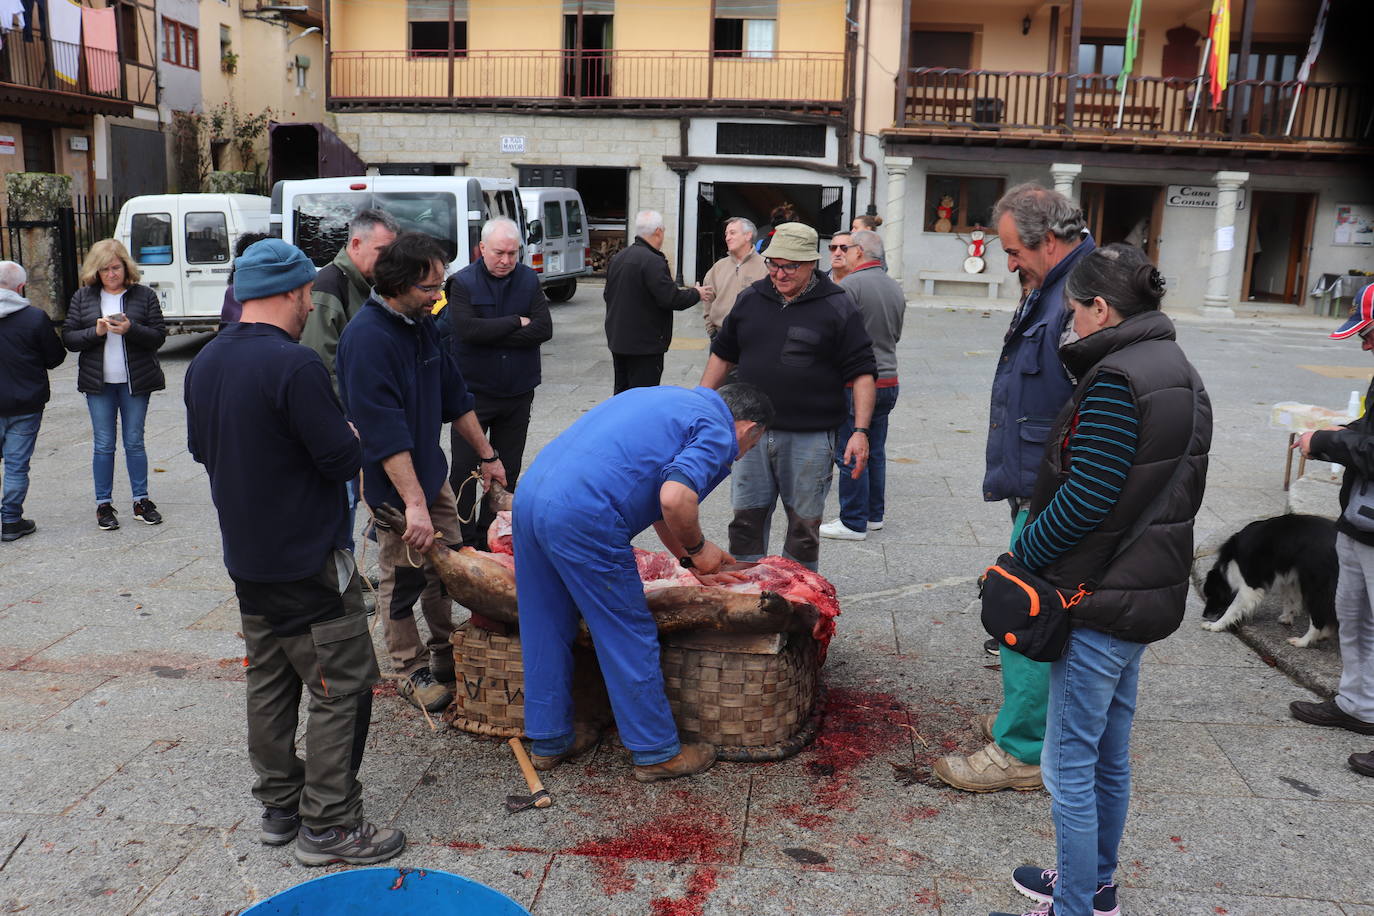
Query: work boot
[(422, 691), (13, 531), (441, 665), (279, 826), (1362, 763), (362, 844), (988, 770), (983, 725), (694, 758), (585, 737), (1328, 715)]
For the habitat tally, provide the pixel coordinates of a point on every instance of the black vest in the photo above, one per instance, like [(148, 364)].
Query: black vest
[(1141, 595)]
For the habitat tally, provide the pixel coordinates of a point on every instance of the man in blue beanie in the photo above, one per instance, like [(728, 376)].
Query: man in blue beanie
[(262, 417)]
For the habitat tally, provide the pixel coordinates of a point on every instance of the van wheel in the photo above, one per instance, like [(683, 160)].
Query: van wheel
[(561, 292)]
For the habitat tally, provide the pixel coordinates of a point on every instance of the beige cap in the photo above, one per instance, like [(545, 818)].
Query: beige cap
[(793, 242)]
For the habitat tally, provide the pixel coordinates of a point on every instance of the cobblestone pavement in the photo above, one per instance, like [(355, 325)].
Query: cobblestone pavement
[(122, 706)]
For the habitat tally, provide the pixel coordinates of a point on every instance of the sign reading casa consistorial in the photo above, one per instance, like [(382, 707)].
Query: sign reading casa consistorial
[(1198, 196)]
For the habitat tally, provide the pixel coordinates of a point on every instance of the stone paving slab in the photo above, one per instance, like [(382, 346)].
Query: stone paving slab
[(1295, 763), (29, 697), (168, 705), (49, 772), (137, 650)]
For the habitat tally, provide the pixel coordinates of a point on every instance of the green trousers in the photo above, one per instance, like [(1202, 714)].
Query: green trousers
[(1020, 726)]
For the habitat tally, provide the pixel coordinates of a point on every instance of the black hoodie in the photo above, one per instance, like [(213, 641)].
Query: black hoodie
[(29, 347)]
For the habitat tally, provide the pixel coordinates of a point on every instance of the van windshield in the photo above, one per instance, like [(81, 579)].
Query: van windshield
[(319, 222)]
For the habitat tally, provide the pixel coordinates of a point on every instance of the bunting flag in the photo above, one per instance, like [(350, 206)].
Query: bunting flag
[(1314, 47), (1132, 39), (1219, 35)]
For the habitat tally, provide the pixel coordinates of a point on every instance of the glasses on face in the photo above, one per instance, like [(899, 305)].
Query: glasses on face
[(835, 248), (775, 268), (429, 289)]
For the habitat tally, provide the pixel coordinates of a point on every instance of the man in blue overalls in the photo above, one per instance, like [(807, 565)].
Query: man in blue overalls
[(645, 457)]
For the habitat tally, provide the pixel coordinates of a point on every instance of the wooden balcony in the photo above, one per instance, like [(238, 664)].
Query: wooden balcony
[(302, 12), (1006, 108), (808, 82), (61, 75)]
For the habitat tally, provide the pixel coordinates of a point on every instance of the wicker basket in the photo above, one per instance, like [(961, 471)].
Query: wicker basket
[(751, 706)]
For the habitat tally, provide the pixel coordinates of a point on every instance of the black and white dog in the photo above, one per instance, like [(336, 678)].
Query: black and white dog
[(1295, 553)]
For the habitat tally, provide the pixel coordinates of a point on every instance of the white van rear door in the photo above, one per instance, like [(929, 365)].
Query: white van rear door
[(205, 259), (555, 236), (155, 246), (576, 258)]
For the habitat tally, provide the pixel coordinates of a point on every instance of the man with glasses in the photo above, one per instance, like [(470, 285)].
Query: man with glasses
[(399, 386), (800, 338), (498, 316)]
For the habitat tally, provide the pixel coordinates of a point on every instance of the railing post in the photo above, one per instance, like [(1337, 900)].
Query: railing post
[(1075, 36)]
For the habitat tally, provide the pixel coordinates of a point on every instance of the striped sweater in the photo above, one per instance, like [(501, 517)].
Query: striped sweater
[(1101, 448)]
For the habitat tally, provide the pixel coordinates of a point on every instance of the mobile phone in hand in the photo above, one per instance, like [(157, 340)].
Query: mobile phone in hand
[(116, 317)]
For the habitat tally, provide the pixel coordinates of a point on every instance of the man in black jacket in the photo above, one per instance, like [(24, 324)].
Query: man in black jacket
[(498, 316), (640, 300), (28, 349), (801, 339), (1352, 708)]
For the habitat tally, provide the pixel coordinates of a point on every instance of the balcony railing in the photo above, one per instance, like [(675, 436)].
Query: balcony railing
[(1152, 107), (69, 68), (592, 79)]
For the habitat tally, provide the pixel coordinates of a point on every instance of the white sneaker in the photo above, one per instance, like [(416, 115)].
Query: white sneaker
[(875, 526), (842, 532)]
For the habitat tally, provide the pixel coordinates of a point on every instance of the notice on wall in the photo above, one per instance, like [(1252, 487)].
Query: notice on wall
[(1198, 197), (6, 146), (1354, 225), (1226, 238), (512, 144)]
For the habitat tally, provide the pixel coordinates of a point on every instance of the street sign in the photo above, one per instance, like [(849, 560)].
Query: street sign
[(512, 144)]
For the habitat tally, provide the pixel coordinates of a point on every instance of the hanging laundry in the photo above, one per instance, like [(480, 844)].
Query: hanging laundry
[(9, 11), (102, 49), (64, 17), (30, 16)]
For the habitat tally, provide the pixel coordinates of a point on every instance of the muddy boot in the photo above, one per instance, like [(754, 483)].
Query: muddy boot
[(585, 737), (692, 759)]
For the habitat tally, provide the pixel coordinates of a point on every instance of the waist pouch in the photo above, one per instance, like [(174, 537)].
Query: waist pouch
[(1024, 612)]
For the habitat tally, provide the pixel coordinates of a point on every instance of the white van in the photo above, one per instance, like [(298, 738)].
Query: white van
[(183, 245), (557, 245), (313, 213)]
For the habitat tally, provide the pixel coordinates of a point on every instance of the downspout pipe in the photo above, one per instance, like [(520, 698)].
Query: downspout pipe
[(863, 115)]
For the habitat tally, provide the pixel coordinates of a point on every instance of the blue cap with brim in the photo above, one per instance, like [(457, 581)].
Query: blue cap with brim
[(1361, 317), (270, 267)]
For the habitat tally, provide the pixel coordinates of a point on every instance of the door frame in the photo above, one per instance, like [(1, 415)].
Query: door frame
[(1299, 248)]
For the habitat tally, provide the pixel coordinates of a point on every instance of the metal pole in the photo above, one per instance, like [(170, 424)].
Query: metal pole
[(681, 218), (1197, 89)]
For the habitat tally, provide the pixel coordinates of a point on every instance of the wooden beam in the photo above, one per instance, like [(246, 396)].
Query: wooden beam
[(1053, 62), (1075, 36)]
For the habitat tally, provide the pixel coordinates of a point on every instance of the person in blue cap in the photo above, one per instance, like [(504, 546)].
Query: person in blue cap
[(263, 418), (1352, 708), (645, 457)]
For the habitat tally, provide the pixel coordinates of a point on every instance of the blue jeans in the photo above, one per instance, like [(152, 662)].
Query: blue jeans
[(1086, 762), (795, 466), (132, 410), (864, 500), (17, 437)]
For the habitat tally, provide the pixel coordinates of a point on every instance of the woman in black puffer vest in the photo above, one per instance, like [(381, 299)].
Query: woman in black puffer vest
[(1127, 454), (117, 327)]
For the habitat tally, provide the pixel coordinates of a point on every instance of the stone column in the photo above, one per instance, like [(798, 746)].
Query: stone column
[(1217, 302), (34, 198), (897, 167), (1065, 177)]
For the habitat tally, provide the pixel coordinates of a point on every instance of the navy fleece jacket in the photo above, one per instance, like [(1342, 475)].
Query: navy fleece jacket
[(263, 419), (399, 386)]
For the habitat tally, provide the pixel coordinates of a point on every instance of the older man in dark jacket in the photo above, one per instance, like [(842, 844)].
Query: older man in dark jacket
[(498, 316), (1044, 237), (28, 349), (640, 300)]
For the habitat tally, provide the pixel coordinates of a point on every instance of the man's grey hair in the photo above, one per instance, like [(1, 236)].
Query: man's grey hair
[(748, 404), (12, 276), (745, 226), (870, 243), (363, 225), (501, 227), (647, 222), (1037, 211)]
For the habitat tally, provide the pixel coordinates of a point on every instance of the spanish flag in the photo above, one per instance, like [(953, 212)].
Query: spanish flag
[(1220, 34)]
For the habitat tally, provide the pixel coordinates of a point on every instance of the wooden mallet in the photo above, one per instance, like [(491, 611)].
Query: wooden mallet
[(539, 796)]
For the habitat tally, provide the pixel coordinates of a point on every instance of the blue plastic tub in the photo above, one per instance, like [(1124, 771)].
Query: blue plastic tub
[(155, 254), (369, 891)]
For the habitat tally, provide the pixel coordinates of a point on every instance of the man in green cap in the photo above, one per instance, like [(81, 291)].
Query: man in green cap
[(800, 338)]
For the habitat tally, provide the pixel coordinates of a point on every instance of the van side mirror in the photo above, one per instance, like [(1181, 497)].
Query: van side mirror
[(535, 234)]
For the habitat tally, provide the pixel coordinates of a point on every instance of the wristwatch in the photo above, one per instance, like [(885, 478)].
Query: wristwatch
[(495, 456), (861, 429)]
